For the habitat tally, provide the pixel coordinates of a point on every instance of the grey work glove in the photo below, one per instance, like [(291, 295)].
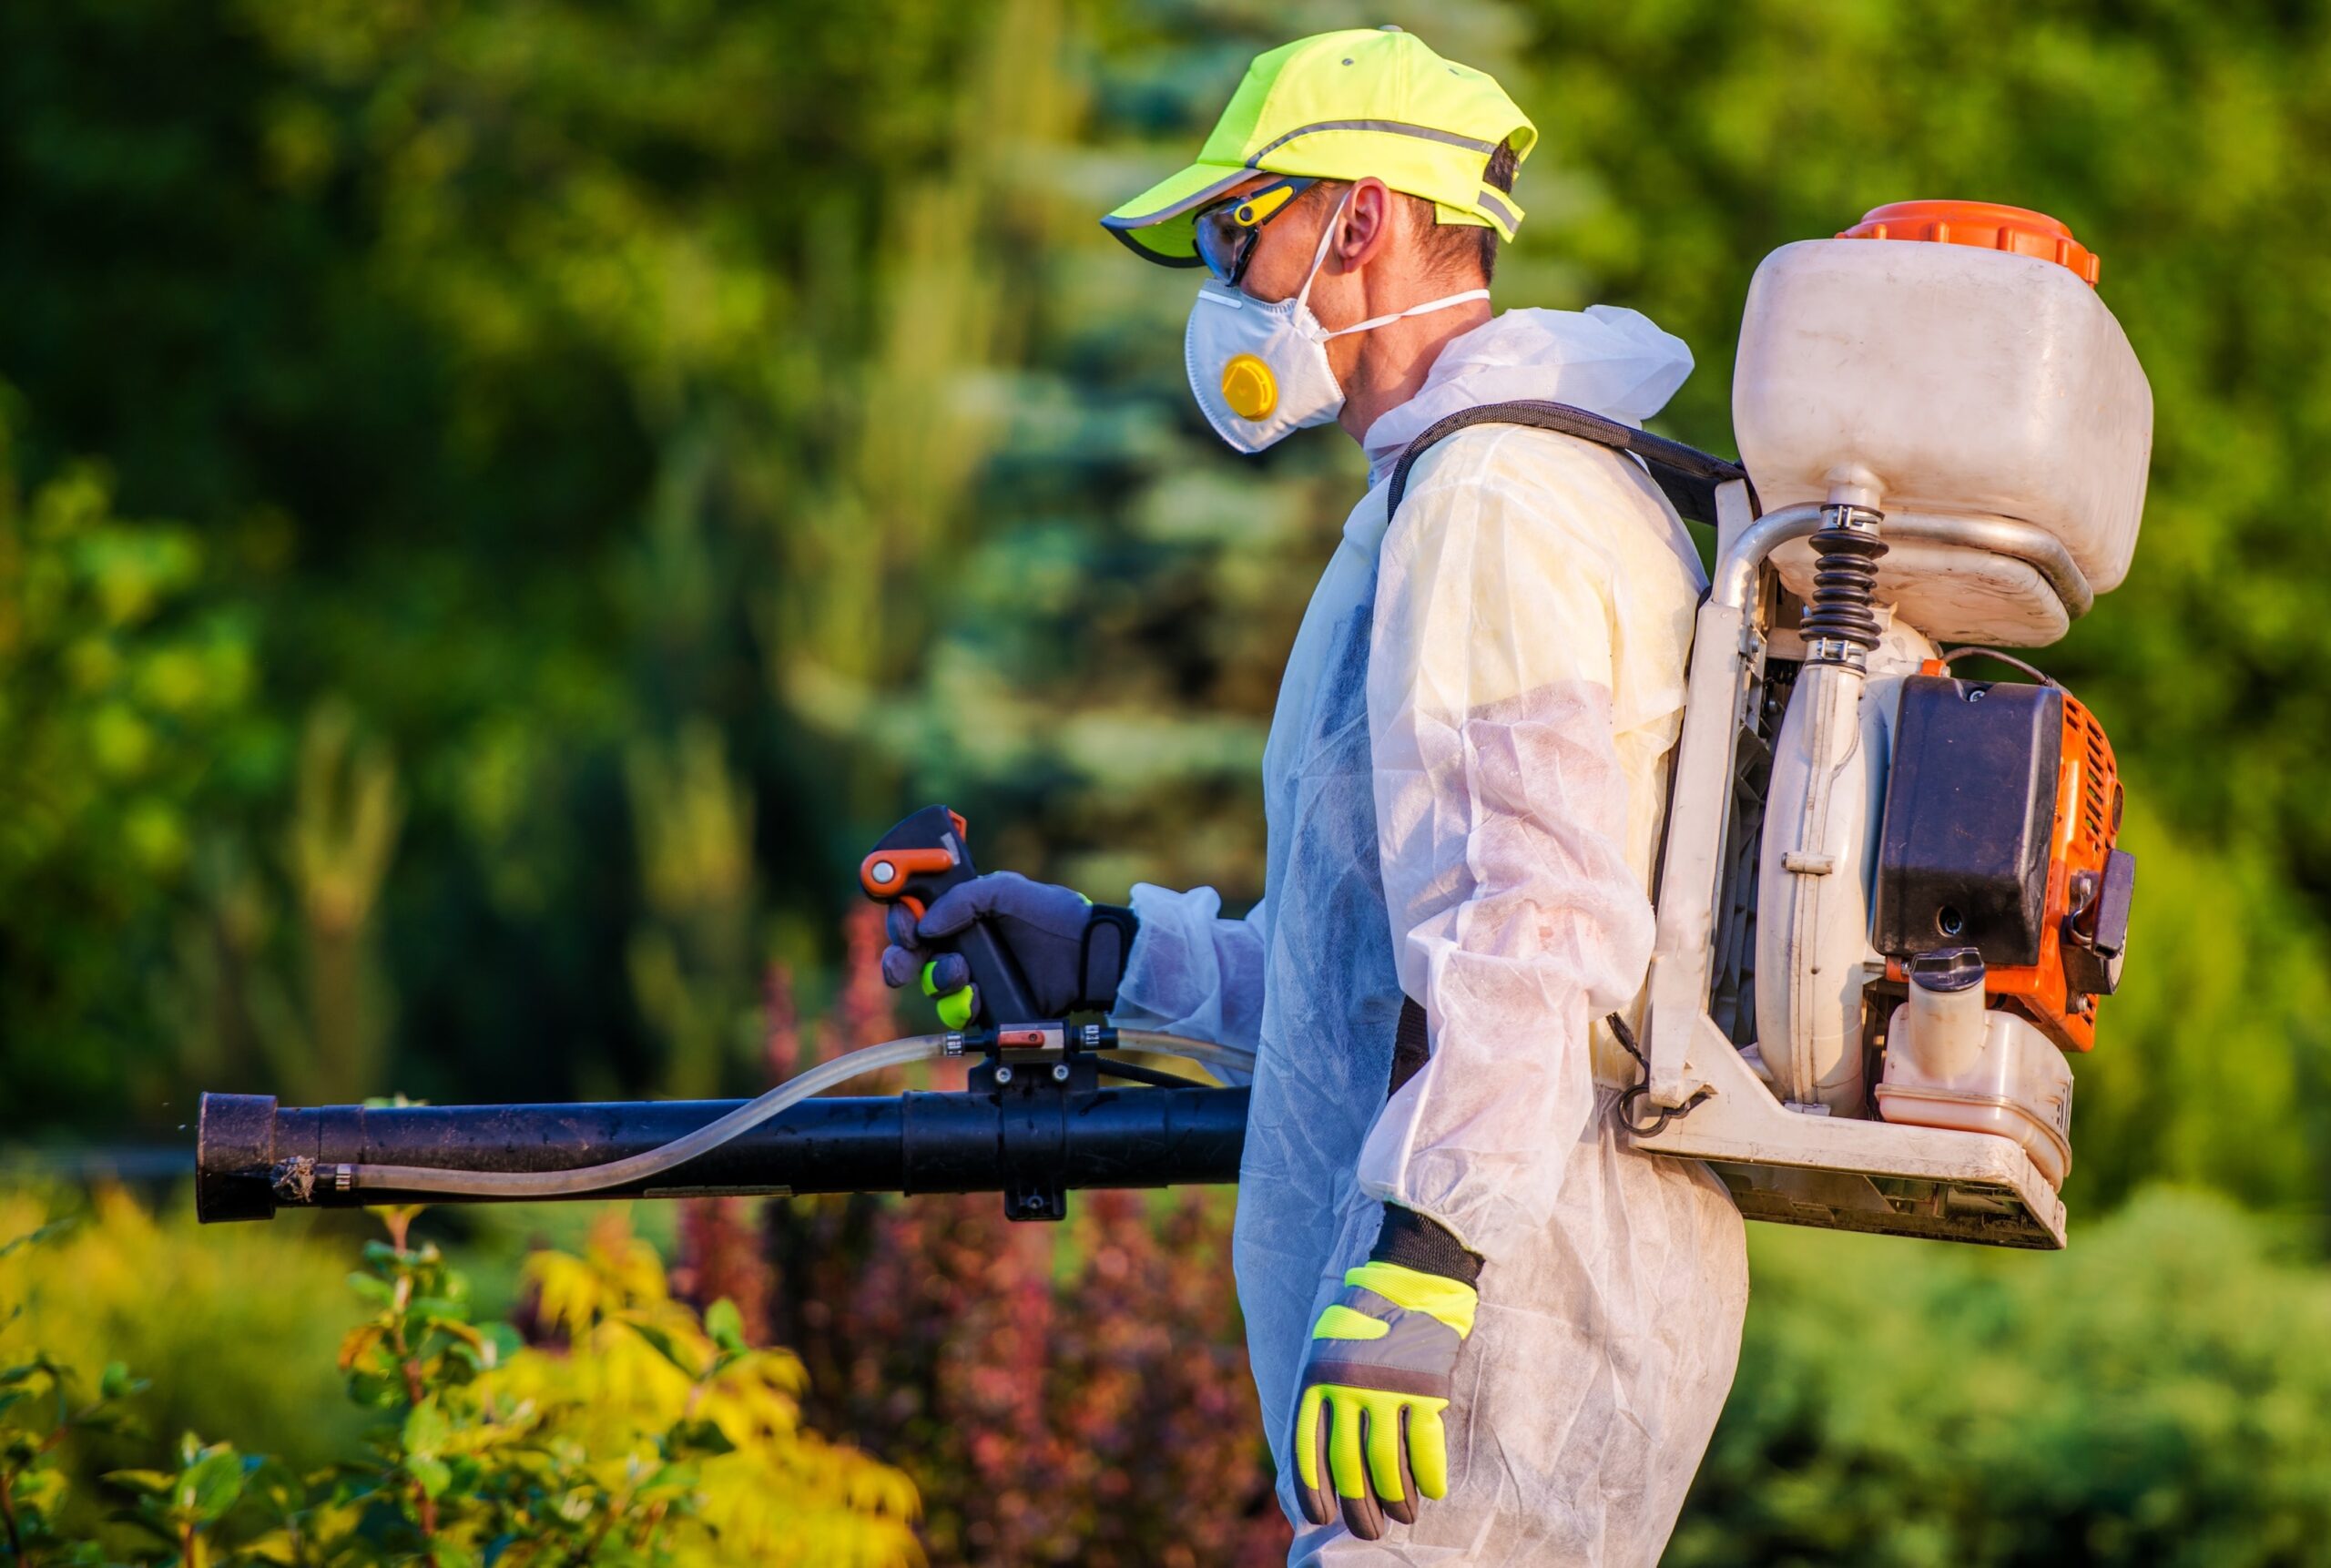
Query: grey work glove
[(1370, 1441), (1071, 951)]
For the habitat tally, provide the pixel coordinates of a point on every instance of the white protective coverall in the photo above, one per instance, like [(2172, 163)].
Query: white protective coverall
[(1463, 787)]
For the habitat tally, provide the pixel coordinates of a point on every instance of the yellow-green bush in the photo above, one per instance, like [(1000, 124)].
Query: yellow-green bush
[(235, 1325), (642, 1364), (640, 1434)]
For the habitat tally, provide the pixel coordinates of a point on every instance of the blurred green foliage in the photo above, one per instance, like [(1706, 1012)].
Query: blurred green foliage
[(499, 503), (619, 459), (117, 688), (2154, 1396)]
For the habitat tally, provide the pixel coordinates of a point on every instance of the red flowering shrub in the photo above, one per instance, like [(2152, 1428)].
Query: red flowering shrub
[(720, 1261), (1071, 1394)]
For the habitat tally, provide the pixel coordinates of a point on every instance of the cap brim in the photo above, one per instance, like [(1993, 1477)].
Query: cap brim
[(1156, 225)]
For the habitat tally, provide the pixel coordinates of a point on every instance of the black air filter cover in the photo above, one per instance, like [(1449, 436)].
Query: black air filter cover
[(1971, 806)]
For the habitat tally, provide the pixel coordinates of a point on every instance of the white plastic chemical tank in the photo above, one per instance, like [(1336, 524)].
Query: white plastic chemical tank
[(1976, 374)]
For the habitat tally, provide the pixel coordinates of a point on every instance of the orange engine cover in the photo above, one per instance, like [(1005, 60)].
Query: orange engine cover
[(2080, 852)]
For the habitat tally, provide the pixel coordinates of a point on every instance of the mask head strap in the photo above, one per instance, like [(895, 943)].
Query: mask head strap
[(1319, 258)]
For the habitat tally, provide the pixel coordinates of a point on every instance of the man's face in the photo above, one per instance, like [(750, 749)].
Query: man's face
[(1374, 248)]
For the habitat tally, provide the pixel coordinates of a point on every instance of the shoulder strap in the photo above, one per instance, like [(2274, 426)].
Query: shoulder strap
[(1687, 476)]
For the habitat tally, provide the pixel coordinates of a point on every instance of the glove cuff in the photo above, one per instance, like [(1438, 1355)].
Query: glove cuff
[(1107, 947), (1417, 1241)]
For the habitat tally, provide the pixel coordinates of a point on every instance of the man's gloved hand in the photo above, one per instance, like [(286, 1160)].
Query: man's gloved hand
[(1071, 951), (1369, 1434)]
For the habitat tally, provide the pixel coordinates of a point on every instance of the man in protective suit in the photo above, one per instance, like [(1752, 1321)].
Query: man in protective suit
[(1484, 1332)]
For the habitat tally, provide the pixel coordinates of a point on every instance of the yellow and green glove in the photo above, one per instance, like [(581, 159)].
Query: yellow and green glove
[(1369, 1431)]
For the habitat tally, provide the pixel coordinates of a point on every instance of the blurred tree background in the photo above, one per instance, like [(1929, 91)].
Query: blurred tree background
[(499, 503)]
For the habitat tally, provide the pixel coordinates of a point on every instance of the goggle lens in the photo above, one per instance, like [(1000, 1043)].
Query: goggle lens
[(1224, 244), (1227, 232)]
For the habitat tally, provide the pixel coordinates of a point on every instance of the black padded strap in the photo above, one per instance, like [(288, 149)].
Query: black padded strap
[(1407, 1237), (1688, 476), (1412, 1043), (1410, 1046)]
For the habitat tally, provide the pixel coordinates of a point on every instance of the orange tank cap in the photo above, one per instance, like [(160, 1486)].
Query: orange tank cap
[(1988, 224)]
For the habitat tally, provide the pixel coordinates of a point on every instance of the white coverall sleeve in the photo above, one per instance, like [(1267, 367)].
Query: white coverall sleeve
[(1501, 813), (1192, 972)]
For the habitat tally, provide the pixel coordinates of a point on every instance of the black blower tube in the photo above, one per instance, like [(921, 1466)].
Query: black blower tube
[(253, 1157)]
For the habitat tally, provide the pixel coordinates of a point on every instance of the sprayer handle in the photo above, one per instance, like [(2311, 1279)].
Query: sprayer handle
[(923, 856)]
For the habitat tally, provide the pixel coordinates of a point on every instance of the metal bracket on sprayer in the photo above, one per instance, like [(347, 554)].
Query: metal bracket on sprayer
[(1037, 1075)]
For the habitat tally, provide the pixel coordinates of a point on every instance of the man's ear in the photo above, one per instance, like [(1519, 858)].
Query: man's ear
[(1366, 228)]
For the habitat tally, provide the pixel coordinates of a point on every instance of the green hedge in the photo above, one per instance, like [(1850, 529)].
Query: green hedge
[(2155, 1395)]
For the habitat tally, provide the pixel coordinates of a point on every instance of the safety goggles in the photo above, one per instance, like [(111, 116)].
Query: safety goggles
[(1228, 231)]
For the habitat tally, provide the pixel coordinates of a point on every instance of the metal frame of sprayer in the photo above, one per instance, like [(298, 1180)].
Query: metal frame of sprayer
[(1701, 1098)]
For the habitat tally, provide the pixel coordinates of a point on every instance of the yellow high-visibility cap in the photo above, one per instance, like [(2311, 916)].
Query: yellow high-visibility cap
[(1345, 105)]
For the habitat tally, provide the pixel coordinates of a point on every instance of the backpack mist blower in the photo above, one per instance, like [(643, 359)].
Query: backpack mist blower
[(1891, 895)]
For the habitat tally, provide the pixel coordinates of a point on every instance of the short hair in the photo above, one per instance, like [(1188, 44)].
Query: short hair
[(1452, 248)]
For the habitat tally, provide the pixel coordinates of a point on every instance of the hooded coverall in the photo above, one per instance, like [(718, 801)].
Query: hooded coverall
[(1463, 790)]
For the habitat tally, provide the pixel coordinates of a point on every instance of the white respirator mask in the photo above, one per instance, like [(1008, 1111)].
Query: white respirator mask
[(1259, 368)]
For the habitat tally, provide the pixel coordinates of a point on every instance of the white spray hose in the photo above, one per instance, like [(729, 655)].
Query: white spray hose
[(743, 1119), (1206, 1053)]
